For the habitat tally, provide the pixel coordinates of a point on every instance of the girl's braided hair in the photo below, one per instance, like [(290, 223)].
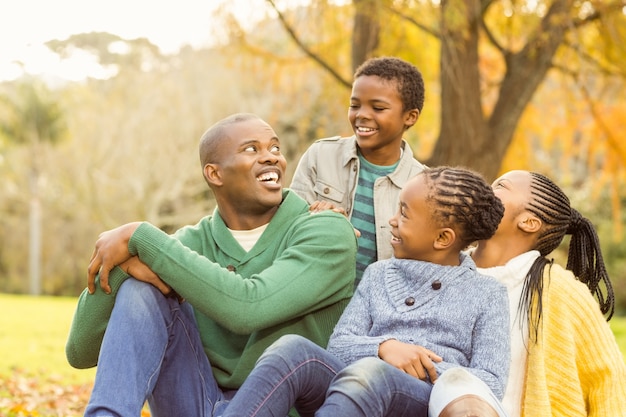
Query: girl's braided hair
[(550, 204), (464, 200)]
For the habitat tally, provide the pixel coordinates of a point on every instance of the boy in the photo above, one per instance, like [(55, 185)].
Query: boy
[(363, 174)]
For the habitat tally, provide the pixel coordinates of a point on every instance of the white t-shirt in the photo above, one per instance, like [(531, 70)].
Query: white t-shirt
[(248, 238)]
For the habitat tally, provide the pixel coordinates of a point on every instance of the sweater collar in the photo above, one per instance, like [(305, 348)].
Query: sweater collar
[(283, 218), (422, 281)]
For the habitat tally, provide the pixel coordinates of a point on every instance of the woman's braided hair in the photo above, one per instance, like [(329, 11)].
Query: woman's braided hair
[(462, 198), (550, 204)]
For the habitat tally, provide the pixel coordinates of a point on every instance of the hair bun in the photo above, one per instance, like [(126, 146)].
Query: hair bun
[(575, 221)]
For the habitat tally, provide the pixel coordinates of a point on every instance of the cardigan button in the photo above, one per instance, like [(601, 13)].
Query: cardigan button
[(231, 268), (409, 301), (436, 285)]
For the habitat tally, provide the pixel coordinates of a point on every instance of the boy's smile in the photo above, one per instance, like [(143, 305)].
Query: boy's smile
[(378, 118)]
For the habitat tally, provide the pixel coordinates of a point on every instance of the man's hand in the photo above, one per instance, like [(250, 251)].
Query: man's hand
[(412, 359), (111, 250), (142, 272)]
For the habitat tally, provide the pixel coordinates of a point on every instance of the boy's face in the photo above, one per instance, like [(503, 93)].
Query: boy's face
[(377, 116), (251, 168), (413, 229)]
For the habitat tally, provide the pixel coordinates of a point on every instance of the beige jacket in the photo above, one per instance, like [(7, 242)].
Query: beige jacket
[(329, 171)]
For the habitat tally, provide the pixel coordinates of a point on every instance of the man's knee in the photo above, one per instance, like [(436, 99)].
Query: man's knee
[(292, 346), (138, 298)]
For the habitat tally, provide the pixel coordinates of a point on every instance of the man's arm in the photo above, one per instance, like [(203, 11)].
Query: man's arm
[(95, 304), (89, 323), (110, 251), (314, 269)]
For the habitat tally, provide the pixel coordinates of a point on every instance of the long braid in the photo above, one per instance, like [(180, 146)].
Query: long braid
[(585, 259), (550, 204), (462, 197)]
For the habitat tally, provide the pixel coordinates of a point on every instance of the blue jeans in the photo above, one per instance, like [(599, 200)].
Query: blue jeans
[(152, 351), (296, 372)]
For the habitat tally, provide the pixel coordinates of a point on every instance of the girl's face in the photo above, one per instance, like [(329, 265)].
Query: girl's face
[(413, 228), (377, 115)]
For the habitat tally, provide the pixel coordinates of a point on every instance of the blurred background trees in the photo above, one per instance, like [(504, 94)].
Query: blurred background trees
[(530, 85)]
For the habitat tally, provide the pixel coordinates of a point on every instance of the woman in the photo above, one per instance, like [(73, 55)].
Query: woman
[(564, 358)]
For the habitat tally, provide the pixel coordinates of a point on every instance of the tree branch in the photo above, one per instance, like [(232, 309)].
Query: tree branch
[(603, 69), (492, 39), (428, 30), (307, 50), (598, 14)]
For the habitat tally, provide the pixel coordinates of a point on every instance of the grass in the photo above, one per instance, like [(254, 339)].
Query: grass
[(37, 379), (33, 331)]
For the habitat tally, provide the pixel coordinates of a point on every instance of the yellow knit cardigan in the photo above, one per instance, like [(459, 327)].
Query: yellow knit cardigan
[(575, 368)]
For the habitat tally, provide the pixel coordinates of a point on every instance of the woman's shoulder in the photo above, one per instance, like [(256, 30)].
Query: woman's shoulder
[(563, 281), (564, 292)]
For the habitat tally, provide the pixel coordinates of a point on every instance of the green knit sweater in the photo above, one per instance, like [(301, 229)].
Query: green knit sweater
[(297, 279)]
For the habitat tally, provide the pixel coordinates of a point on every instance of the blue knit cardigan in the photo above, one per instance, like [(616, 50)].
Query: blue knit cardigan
[(454, 311)]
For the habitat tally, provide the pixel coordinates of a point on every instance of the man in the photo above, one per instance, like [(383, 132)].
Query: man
[(260, 267)]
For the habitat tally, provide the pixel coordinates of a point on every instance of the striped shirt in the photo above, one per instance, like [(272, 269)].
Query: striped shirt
[(363, 213)]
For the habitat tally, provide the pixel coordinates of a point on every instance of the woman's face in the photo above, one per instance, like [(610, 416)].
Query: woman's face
[(513, 189)]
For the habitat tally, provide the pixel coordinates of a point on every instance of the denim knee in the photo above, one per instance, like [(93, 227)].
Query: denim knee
[(290, 346), (139, 299)]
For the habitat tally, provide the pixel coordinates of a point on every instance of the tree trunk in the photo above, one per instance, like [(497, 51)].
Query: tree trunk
[(463, 126), (466, 138), (34, 252), (366, 32)]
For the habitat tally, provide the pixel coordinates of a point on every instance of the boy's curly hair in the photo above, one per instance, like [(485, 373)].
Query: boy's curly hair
[(407, 76)]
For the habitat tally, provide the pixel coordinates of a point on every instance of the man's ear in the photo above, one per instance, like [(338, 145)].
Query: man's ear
[(445, 238), (530, 224), (410, 118), (213, 175)]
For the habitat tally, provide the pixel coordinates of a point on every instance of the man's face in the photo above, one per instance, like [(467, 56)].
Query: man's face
[(251, 168)]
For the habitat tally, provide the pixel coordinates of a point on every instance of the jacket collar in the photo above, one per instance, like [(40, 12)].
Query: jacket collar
[(398, 176)]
